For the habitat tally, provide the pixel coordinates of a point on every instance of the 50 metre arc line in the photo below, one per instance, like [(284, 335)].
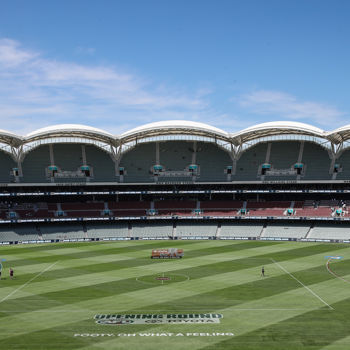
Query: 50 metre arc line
[(333, 273)]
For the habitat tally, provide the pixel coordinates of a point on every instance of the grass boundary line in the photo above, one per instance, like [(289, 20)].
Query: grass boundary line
[(302, 284)]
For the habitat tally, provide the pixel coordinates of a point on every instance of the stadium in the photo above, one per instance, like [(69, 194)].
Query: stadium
[(82, 209)]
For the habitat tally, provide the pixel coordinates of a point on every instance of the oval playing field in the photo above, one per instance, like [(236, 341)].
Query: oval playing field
[(58, 289)]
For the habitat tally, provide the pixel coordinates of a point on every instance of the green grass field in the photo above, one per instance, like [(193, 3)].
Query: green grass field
[(59, 288)]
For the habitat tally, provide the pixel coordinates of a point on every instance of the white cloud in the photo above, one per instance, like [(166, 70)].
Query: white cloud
[(281, 105), (36, 91), (11, 55)]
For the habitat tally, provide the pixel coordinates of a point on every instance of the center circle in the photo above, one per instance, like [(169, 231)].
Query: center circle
[(163, 278)]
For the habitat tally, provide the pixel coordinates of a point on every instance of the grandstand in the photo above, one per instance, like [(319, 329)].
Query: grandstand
[(194, 229), (286, 230), (175, 180), (230, 230), (327, 231), (61, 231), (157, 230), (34, 165), (26, 232), (283, 166), (107, 230)]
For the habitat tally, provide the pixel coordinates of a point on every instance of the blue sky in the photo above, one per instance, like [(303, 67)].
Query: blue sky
[(120, 64)]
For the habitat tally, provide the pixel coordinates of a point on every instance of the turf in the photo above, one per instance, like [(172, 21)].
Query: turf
[(59, 288)]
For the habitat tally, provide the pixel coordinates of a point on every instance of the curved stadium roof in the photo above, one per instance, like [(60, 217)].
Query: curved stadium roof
[(340, 134), (174, 127), (277, 128), (177, 127), (10, 138), (70, 130)]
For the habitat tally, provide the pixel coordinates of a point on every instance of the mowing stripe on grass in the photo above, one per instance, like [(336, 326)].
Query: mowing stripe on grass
[(85, 261), (116, 249), (319, 330), (87, 279), (55, 327), (340, 344), (123, 266), (29, 318), (245, 323), (142, 250), (242, 323), (244, 280)]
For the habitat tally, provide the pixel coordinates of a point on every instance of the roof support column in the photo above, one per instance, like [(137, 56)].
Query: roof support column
[(335, 153), (52, 156), (194, 154), (157, 153), (18, 156), (116, 155), (234, 154)]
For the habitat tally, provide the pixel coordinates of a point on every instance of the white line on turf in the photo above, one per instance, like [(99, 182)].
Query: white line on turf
[(301, 283), (25, 284)]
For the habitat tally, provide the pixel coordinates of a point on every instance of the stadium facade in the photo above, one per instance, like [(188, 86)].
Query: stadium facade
[(176, 151), (175, 179)]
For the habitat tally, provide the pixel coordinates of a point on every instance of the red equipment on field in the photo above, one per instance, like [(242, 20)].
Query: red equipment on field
[(167, 253)]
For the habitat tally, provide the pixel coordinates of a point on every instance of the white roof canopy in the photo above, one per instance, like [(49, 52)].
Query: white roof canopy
[(71, 130), (172, 127), (340, 134), (11, 139), (177, 127), (276, 128)]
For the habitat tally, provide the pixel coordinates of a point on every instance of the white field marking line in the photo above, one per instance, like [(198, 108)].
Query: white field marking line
[(25, 284), (333, 273), (301, 283), (291, 309)]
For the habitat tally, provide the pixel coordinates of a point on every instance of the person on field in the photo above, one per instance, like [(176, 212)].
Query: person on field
[(263, 272), (11, 273)]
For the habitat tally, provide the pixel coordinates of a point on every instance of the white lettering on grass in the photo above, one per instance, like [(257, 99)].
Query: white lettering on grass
[(95, 335)]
